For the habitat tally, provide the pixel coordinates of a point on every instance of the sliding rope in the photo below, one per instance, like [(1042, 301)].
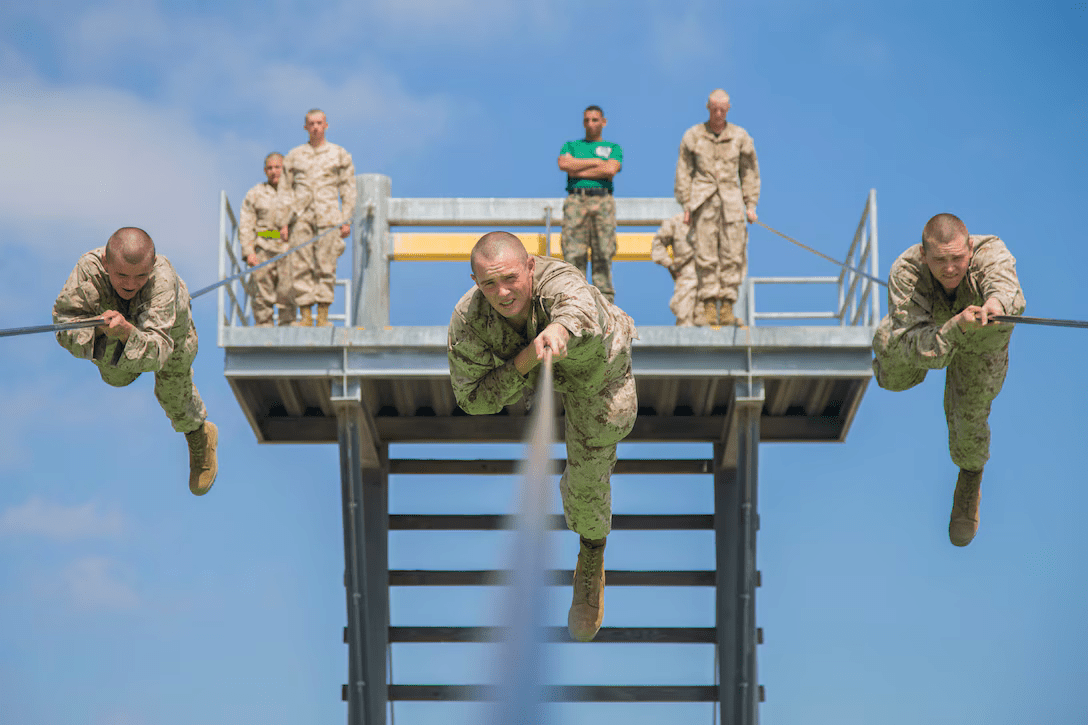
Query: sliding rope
[(807, 248), (520, 694), (95, 321)]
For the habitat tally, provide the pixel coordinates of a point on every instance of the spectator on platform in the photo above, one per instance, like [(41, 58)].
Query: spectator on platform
[(589, 211), (717, 184), (321, 177), (942, 295), (147, 327), (674, 234), (261, 239), (522, 305)]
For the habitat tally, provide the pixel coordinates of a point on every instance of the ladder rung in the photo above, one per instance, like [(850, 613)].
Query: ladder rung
[(563, 693), (611, 635), (505, 466), (556, 577), (489, 522)]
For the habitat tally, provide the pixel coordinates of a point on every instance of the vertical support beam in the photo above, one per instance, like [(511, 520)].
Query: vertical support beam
[(874, 262), (735, 524), (373, 248), (366, 575)]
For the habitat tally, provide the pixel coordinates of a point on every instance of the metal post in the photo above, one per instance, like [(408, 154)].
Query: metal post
[(372, 251), (735, 524), (366, 577), (874, 267)]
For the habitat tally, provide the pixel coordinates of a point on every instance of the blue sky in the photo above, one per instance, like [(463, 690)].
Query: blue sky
[(126, 601)]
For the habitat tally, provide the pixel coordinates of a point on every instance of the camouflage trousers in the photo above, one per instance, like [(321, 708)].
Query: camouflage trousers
[(174, 386), (682, 302), (594, 425), (268, 289), (721, 250), (972, 380), (589, 233), (313, 270)]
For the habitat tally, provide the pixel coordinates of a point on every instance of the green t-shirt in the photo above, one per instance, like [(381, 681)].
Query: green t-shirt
[(582, 149)]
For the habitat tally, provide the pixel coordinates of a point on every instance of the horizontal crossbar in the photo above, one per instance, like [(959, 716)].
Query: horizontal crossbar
[(502, 466), (562, 693), (492, 522), (611, 635), (556, 577)]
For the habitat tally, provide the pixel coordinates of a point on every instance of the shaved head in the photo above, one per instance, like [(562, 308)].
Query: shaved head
[(493, 245), (130, 244), (943, 229), (717, 95)]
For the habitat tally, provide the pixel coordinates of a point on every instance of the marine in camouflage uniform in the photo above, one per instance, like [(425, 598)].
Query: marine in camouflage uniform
[(717, 184), (148, 328), (589, 211), (674, 234), (929, 327), (321, 177), (262, 215), (490, 349)]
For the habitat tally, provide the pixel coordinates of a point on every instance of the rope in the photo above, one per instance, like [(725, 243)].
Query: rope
[(95, 321), (520, 694), (821, 254)]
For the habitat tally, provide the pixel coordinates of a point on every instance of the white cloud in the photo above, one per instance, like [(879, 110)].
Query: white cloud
[(97, 582), (51, 520)]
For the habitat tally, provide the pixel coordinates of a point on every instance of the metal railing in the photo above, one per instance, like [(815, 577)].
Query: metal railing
[(366, 296), (858, 295), (236, 297)]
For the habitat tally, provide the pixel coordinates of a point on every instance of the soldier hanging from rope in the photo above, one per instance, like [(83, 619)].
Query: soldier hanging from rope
[(522, 305), (148, 327), (942, 296)]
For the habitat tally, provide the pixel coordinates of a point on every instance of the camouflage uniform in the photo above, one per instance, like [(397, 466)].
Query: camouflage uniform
[(262, 211), (717, 180), (675, 233), (594, 379), (589, 231), (321, 180), (164, 341), (918, 335)]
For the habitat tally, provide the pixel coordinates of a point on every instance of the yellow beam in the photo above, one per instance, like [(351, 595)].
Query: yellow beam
[(456, 246)]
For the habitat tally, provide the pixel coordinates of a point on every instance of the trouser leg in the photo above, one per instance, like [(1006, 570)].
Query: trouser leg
[(594, 425), (603, 239), (175, 390), (327, 251), (574, 240), (706, 236), (972, 381)]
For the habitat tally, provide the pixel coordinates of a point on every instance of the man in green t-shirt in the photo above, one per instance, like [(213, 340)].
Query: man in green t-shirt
[(589, 211)]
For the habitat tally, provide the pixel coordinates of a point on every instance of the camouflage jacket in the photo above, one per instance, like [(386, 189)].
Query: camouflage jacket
[(482, 344), (320, 179), (263, 210), (160, 312), (673, 233), (722, 163), (919, 327)]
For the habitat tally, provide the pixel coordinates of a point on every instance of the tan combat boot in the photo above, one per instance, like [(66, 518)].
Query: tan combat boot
[(963, 525), (287, 316), (710, 310), (306, 317), (203, 464), (323, 314), (725, 317), (587, 607)]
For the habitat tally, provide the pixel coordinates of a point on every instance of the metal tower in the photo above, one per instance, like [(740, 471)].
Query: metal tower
[(364, 385)]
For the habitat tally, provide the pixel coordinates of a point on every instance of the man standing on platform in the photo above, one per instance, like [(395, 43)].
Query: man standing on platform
[(717, 184), (941, 296), (674, 234), (521, 306), (321, 176), (259, 233), (147, 327), (589, 211)]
